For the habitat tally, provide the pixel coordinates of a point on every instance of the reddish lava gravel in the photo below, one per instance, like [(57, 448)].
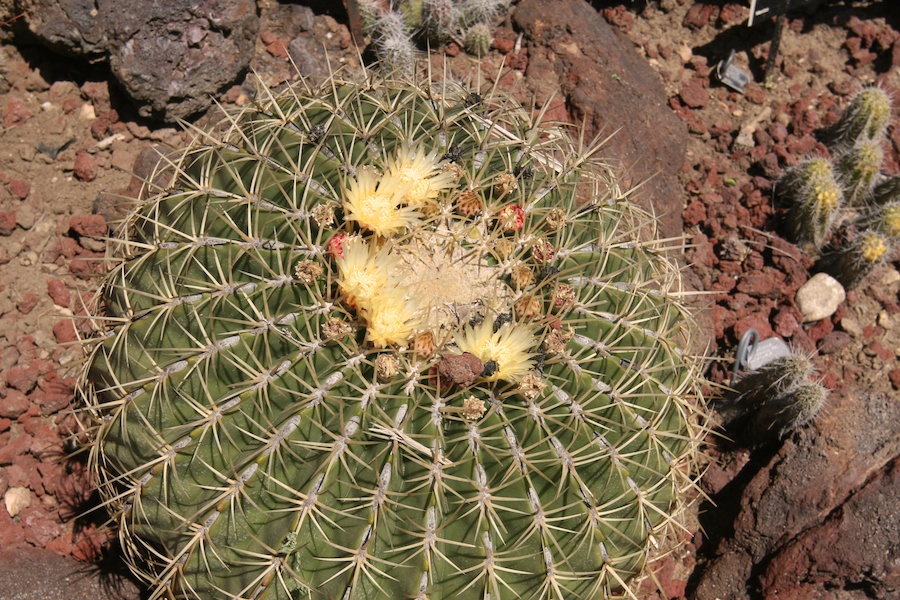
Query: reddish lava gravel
[(813, 516)]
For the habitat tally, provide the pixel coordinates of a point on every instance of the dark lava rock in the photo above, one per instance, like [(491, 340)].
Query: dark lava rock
[(816, 518), (610, 87), (168, 56), (855, 547)]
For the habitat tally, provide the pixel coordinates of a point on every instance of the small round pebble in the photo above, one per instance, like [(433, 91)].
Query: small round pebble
[(819, 297)]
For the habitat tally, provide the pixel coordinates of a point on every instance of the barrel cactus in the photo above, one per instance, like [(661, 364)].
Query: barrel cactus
[(392, 339)]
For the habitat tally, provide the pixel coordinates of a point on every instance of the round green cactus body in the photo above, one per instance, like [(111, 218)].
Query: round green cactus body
[(392, 340), (478, 39)]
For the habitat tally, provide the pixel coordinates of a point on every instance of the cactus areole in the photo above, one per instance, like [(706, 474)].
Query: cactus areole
[(379, 340)]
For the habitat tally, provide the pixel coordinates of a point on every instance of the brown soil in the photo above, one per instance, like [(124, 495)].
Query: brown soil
[(69, 145)]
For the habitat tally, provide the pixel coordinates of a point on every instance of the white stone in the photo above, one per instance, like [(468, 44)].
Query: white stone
[(16, 499), (819, 297), (851, 325), (890, 277)]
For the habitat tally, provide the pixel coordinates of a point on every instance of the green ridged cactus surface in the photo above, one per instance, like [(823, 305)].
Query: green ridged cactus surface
[(392, 340)]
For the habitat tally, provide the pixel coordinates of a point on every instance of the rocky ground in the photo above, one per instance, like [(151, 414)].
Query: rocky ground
[(813, 516)]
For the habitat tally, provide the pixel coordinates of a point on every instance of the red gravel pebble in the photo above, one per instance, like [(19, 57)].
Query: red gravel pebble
[(56, 392), (85, 167), (278, 49), (760, 284), (98, 93), (700, 15), (22, 378), (787, 321), (14, 404), (504, 44), (732, 13), (11, 447), (88, 264), (895, 378), (15, 113), (694, 213), (19, 188), (820, 329), (7, 222), (27, 303), (89, 225), (881, 351), (757, 321), (64, 331), (755, 93), (694, 94), (59, 292), (778, 131), (834, 342)]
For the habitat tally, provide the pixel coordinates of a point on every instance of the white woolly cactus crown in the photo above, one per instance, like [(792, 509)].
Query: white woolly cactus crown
[(390, 339)]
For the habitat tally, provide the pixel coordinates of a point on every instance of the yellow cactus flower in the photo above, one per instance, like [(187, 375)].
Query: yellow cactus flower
[(508, 347), (364, 272), (422, 173), (375, 203), (390, 318)]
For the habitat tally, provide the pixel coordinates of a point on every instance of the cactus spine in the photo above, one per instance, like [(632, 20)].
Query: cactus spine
[(314, 380)]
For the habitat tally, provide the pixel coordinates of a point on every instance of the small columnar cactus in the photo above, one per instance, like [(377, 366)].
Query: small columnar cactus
[(779, 397), (858, 170), (439, 19), (392, 340), (469, 23), (866, 118), (393, 42), (816, 198)]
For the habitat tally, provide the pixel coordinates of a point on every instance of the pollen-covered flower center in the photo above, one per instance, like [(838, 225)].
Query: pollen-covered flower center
[(413, 264), (449, 280)]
